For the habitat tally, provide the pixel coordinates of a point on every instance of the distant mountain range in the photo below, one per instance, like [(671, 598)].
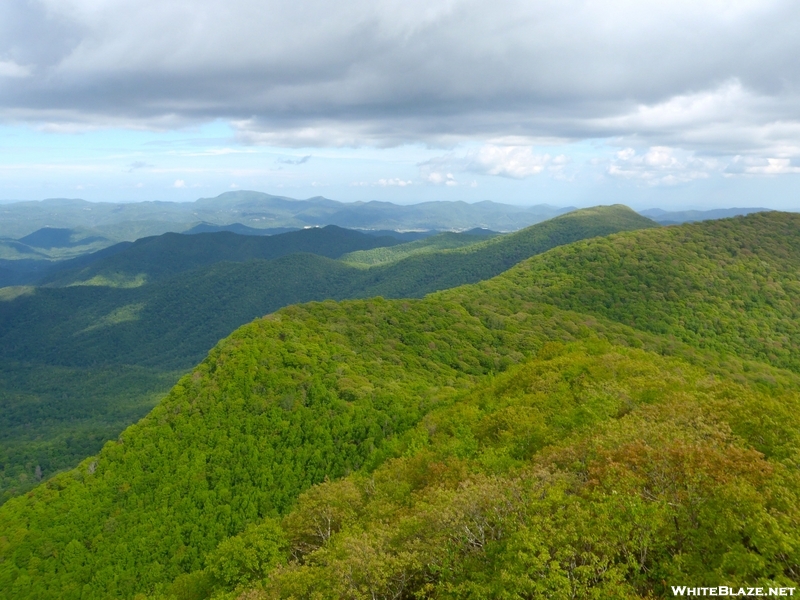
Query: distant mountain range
[(37, 237), (34, 235), (666, 217), (259, 211)]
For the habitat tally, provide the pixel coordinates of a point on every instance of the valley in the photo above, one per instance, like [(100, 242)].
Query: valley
[(93, 349)]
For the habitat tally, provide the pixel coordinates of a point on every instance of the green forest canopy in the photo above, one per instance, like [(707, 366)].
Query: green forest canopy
[(80, 363), (484, 441)]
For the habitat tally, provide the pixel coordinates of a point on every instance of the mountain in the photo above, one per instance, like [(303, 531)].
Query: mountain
[(726, 285), (424, 273), (270, 210), (586, 424), (48, 238), (236, 228), (154, 258), (403, 236), (27, 259), (442, 241), (130, 221), (666, 217), (79, 363), (21, 271), (590, 471)]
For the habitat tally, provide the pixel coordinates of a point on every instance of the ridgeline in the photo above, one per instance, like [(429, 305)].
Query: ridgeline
[(566, 429), (81, 362)]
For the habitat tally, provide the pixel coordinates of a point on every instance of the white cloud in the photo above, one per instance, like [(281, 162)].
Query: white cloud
[(179, 183), (437, 178), (517, 162), (747, 165), (394, 182), (728, 119), (661, 165), (8, 68)]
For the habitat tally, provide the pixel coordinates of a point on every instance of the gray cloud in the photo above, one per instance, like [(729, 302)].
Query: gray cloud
[(715, 77)]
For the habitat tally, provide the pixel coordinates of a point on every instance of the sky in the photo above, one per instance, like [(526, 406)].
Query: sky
[(680, 104)]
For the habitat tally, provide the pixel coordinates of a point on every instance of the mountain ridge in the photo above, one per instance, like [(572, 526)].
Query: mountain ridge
[(313, 391), (263, 211), (154, 331)]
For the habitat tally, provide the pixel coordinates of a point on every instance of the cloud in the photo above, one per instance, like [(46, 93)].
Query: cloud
[(728, 119), (516, 162), (661, 165), (179, 183), (437, 178), (394, 182), (389, 72), (8, 68), (744, 165)]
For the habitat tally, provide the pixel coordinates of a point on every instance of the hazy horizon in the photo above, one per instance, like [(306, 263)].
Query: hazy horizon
[(4, 201)]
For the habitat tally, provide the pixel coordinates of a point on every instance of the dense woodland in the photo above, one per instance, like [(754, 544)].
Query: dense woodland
[(389, 254), (79, 363), (602, 420)]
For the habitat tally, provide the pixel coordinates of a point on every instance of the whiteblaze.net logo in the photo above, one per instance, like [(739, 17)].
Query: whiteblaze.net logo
[(726, 591)]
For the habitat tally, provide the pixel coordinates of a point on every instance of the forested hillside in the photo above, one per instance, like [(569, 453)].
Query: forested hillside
[(156, 258), (29, 258), (79, 363), (591, 471), (729, 285), (493, 440), (442, 241), (424, 273)]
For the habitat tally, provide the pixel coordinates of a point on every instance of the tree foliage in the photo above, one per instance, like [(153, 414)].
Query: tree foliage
[(62, 349), (490, 441)]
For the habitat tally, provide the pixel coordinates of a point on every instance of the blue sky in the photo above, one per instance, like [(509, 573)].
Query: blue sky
[(203, 161), (676, 105)]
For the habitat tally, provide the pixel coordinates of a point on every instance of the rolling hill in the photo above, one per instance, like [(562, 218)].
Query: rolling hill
[(155, 258), (80, 363), (421, 274), (442, 241), (526, 436), (29, 258)]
